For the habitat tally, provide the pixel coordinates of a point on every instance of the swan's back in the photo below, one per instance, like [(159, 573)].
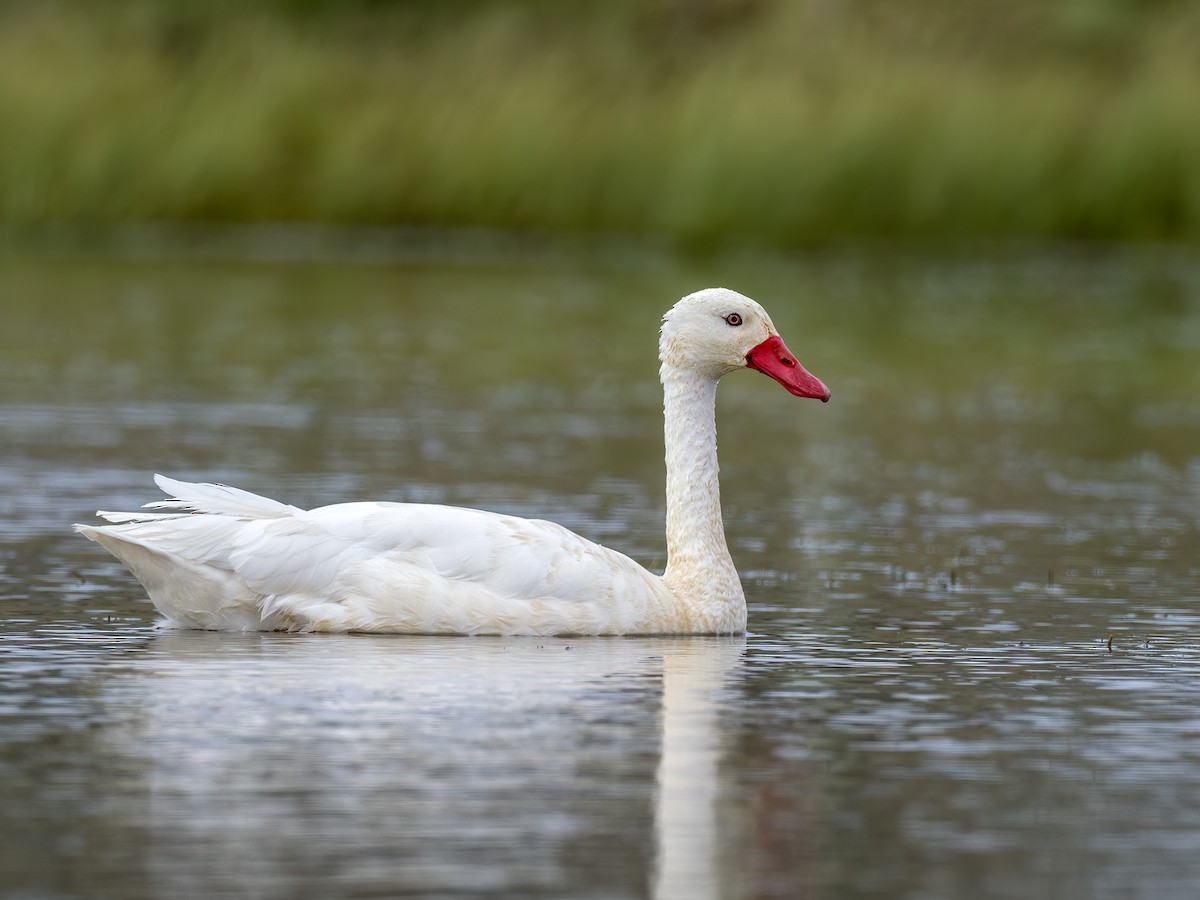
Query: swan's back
[(226, 559)]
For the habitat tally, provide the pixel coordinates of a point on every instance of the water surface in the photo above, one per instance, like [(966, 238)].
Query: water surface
[(972, 576)]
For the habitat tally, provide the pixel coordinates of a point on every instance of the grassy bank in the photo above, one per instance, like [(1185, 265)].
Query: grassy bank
[(778, 123)]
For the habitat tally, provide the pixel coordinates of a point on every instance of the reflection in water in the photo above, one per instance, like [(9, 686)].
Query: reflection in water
[(686, 811), (450, 766)]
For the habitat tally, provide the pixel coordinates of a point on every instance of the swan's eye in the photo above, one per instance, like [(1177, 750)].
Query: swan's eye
[(733, 319)]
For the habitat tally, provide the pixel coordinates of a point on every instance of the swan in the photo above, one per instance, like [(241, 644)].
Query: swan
[(224, 559)]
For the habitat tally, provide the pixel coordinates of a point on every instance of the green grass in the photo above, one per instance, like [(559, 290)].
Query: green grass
[(728, 120)]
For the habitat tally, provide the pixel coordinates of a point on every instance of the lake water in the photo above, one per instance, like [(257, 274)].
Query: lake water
[(973, 660)]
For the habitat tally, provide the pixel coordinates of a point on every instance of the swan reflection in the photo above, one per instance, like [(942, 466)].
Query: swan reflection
[(423, 765)]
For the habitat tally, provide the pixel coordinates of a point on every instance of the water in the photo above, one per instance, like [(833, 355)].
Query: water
[(973, 659)]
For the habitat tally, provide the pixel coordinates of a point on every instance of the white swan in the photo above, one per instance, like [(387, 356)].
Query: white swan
[(225, 559)]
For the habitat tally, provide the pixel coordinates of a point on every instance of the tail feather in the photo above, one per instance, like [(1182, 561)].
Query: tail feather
[(186, 591), (218, 499)]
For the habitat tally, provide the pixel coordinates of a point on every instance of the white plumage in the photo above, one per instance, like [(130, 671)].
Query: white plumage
[(225, 559)]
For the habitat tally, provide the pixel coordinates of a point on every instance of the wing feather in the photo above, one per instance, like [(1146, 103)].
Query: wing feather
[(217, 498)]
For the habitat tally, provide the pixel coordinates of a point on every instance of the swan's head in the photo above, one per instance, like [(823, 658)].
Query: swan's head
[(717, 331)]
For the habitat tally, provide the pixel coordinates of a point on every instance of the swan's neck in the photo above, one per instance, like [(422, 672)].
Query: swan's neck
[(700, 571)]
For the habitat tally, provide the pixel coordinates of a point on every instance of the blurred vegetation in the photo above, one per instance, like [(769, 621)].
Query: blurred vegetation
[(702, 121)]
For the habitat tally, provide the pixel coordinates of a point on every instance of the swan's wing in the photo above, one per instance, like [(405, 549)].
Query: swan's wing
[(374, 566), (326, 549), (435, 569)]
